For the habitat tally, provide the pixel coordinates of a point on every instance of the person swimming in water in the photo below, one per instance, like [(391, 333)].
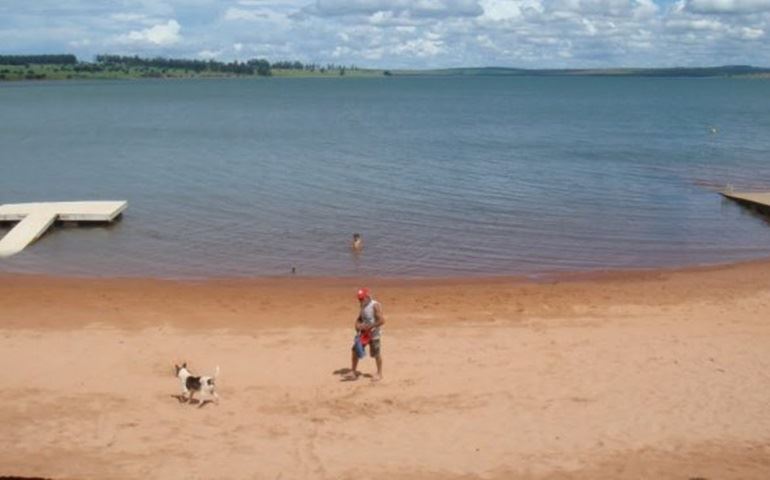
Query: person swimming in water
[(358, 242)]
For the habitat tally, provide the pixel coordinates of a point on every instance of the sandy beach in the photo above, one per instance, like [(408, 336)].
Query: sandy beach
[(658, 374)]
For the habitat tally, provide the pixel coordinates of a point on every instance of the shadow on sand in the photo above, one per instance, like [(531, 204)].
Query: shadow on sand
[(346, 375), (183, 399)]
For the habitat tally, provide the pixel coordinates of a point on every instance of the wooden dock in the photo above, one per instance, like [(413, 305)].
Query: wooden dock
[(759, 201), (35, 218)]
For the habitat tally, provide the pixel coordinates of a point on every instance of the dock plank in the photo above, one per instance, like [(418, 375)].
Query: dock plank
[(757, 200), (67, 211), (35, 218), (25, 232)]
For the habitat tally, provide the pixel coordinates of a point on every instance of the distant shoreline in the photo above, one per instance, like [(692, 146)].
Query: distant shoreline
[(36, 73), (57, 72), (742, 71)]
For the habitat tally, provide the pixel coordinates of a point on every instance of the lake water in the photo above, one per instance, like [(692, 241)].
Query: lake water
[(442, 176)]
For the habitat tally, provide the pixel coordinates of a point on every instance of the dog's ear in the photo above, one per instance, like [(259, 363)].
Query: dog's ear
[(184, 365)]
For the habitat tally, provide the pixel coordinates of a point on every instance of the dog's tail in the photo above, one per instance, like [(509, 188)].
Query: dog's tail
[(216, 372)]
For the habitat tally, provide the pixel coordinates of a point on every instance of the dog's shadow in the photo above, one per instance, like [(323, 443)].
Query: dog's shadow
[(180, 398), (346, 375), (195, 401)]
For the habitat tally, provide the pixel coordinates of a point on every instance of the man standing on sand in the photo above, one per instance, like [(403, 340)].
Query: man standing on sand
[(369, 321)]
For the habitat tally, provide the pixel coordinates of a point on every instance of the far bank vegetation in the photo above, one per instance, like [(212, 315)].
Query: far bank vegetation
[(68, 67)]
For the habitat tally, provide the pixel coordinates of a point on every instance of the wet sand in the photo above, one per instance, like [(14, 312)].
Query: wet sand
[(662, 374)]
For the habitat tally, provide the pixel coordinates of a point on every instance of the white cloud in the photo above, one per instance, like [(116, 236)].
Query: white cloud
[(373, 54), (242, 14), (410, 8), (341, 52), (123, 17), (752, 33), (727, 6), (485, 41), (590, 28), (645, 9), (421, 47), (83, 42), (381, 18), (162, 34), (500, 9), (209, 54), (615, 8), (696, 24)]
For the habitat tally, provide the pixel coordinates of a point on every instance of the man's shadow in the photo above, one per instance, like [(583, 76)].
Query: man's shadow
[(346, 375)]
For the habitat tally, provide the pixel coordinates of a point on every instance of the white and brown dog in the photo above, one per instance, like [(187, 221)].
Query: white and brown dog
[(192, 385)]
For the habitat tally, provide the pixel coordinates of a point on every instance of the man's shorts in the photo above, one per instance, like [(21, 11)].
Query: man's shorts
[(374, 347)]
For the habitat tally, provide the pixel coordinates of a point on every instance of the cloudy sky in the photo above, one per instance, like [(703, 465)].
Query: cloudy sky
[(400, 33)]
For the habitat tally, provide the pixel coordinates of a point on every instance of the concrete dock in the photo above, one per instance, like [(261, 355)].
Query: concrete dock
[(759, 201), (35, 218)]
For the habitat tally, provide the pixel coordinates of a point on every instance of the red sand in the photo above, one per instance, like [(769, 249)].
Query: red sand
[(628, 375)]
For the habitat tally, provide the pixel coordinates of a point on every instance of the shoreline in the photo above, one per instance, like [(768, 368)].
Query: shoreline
[(238, 304), (534, 278)]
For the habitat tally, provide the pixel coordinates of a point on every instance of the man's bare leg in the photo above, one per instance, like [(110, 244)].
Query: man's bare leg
[(378, 359), (353, 364)]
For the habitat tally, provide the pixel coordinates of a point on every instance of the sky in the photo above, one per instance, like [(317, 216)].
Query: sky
[(400, 33)]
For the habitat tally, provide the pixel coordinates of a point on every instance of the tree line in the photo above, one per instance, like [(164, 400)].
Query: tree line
[(311, 67), (251, 67), (150, 66), (65, 59)]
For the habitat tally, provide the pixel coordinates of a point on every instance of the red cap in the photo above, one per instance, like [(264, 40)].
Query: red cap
[(363, 292)]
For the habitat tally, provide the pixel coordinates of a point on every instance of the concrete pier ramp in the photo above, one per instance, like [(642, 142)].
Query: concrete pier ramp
[(35, 218), (759, 201)]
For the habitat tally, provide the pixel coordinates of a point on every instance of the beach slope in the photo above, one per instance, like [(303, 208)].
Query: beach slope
[(637, 375)]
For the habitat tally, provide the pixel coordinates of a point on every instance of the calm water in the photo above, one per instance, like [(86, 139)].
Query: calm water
[(443, 176)]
